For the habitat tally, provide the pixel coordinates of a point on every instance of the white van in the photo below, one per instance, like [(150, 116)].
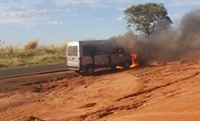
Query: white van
[(90, 55)]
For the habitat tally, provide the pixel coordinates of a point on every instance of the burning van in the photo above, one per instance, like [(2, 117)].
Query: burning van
[(90, 55)]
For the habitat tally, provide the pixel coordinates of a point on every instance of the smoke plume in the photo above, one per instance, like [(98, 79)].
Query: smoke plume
[(190, 27), (166, 43)]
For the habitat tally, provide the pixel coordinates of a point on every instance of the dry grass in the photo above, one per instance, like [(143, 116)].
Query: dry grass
[(32, 55)]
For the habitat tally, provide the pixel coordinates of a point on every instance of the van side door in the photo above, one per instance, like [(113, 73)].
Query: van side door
[(118, 57), (87, 58), (101, 58)]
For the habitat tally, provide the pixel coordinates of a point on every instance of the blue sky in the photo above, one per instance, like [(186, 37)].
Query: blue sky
[(58, 21)]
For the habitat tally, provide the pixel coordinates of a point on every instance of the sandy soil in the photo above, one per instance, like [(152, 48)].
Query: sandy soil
[(164, 92)]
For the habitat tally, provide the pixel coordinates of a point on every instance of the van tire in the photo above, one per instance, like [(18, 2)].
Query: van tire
[(126, 64), (90, 70)]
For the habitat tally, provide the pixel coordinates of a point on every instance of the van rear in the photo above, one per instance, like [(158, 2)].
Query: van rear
[(73, 55)]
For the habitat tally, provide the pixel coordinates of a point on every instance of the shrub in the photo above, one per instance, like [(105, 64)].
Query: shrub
[(31, 45)]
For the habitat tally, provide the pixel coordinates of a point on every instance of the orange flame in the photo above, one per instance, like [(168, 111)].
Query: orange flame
[(134, 56)]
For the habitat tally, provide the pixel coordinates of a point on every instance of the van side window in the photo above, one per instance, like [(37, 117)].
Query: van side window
[(100, 51), (88, 50), (72, 51), (118, 51)]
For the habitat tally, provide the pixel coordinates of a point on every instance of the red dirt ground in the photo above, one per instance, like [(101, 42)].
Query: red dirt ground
[(165, 92)]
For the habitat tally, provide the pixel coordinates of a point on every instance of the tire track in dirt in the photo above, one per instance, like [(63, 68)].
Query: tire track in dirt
[(137, 103), (108, 111), (157, 87)]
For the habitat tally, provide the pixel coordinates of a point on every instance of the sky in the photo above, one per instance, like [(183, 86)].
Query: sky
[(55, 22)]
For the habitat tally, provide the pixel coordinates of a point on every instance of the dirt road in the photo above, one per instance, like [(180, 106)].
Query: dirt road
[(165, 92)]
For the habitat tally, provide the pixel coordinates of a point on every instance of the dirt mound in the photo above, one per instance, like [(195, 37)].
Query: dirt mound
[(167, 91)]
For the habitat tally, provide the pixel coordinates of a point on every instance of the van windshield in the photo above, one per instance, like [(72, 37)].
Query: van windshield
[(72, 50)]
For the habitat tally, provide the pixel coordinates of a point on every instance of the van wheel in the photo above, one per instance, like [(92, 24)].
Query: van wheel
[(126, 64), (90, 70)]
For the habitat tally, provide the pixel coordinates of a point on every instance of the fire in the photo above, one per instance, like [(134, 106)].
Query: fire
[(134, 64), (119, 67), (134, 56)]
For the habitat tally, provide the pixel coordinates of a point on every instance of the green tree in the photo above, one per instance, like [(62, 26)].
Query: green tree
[(144, 17)]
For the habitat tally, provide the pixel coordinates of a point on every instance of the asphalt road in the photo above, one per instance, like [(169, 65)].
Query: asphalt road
[(31, 70), (50, 68)]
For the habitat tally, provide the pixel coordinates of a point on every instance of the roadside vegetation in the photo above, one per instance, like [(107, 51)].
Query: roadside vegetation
[(31, 55)]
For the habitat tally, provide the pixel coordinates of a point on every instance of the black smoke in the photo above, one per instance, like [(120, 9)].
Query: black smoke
[(167, 43)]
